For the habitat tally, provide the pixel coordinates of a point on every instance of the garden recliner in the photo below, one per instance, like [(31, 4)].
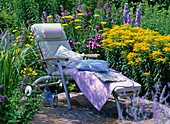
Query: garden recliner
[(48, 38)]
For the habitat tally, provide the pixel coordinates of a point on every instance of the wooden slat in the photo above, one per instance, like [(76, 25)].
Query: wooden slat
[(91, 55), (61, 58)]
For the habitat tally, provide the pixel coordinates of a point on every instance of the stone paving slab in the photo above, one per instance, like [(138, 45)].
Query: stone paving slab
[(83, 112)]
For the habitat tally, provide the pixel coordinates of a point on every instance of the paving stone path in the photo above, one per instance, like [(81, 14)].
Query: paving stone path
[(82, 112)]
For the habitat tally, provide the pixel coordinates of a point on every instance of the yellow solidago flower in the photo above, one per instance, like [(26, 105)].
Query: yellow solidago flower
[(70, 22), (30, 69), (77, 20), (146, 74), (166, 50), (37, 54), (18, 37), (96, 15), (50, 16), (33, 73), (80, 14), (30, 33), (21, 71), (138, 60), (69, 17), (14, 30), (64, 24), (25, 69), (27, 45), (35, 44), (130, 63), (103, 23), (16, 27), (14, 44), (160, 60), (29, 73), (131, 55), (77, 27), (31, 26), (31, 39)]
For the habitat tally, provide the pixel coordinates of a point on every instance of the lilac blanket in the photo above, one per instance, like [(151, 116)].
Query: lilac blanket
[(96, 91)]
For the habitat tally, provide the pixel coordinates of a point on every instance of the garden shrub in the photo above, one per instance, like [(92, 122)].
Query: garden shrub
[(8, 19), (140, 54), (15, 66), (155, 19)]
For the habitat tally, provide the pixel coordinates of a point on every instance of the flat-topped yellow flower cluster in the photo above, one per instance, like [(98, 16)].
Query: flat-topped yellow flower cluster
[(137, 44)]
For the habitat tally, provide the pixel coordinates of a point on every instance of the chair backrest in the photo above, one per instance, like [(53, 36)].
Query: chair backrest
[(49, 37)]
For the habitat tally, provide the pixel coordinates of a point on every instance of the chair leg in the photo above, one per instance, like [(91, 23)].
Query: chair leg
[(65, 86), (120, 116)]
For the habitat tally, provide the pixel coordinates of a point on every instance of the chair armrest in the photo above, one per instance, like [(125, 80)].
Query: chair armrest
[(57, 58), (92, 55)]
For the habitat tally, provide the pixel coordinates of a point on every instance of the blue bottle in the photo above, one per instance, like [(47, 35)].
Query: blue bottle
[(55, 100)]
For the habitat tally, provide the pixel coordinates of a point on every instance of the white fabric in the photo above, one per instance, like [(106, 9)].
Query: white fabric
[(74, 58)]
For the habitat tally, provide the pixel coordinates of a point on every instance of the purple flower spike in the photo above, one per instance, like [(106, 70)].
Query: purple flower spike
[(138, 17), (97, 27), (129, 19), (125, 13), (99, 4), (25, 78)]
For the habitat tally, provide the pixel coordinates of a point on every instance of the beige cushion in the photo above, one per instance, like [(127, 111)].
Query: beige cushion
[(53, 31)]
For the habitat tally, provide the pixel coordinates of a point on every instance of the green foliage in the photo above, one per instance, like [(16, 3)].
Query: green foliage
[(20, 109), (8, 19), (155, 18)]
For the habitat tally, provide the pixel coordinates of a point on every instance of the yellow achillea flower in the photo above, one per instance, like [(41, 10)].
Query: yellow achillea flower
[(80, 14), (96, 15), (77, 27), (146, 74), (130, 63), (103, 23), (77, 20), (64, 24)]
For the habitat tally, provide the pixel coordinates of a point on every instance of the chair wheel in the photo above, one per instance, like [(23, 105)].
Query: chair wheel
[(28, 90)]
